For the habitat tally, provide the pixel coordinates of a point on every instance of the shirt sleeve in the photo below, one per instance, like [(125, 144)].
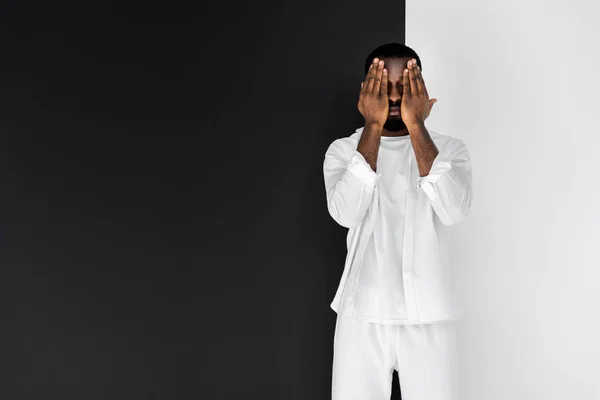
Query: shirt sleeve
[(448, 184), (349, 184)]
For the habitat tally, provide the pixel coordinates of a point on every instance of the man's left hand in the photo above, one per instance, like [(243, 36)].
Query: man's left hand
[(416, 105)]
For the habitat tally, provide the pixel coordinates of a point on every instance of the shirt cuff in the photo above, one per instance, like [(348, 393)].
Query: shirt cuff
[(361, 168), (441, 165)]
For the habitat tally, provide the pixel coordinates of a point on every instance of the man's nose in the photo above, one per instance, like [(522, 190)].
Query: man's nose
[(394, 98), (395, 95)]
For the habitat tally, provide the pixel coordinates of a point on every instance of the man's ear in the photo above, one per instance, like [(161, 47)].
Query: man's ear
[(431, 103)]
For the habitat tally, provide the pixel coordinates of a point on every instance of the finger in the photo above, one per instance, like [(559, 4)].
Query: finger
[(423, 86), (405, 84), (371, 76), (378, 76), (365, 86), (420, 81), (413, 80), (384, 83), (367, 78)]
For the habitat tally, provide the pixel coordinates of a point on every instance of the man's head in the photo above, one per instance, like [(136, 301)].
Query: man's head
[(395, 57)]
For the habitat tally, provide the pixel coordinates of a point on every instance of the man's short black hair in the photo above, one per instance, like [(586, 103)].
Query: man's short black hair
[(391, 50)]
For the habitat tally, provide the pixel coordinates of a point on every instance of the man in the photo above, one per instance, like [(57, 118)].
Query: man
[(398, 187)]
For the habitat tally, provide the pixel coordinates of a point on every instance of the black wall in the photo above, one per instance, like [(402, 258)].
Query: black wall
[(163, 224)]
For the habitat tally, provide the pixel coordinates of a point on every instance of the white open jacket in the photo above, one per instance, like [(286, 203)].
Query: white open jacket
[(434, 203)]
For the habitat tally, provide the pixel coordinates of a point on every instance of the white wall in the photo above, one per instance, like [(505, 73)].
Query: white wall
[(519, 82)]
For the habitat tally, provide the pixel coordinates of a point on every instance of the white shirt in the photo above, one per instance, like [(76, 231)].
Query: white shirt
[(433, 204), (380, 291)]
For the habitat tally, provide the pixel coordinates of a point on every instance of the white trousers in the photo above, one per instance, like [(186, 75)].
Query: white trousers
[(365, 355)]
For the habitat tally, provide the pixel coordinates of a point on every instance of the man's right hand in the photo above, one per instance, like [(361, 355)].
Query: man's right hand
[(373, 102)]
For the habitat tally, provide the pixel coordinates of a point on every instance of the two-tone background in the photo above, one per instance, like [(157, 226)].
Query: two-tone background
[(163, 226)]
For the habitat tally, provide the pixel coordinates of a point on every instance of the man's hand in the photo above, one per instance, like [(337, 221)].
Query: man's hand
[(416, 105), (373, 99)]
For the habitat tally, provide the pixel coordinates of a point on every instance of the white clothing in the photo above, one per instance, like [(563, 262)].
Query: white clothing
[(433, 203), (380, 292), (366, 354)]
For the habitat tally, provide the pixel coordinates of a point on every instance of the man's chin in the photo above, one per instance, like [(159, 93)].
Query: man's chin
[(394, 124)]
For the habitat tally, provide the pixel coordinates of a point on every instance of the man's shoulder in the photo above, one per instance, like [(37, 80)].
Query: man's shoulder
[(350, 139), (444, 139), (449, 144), (346, 144)]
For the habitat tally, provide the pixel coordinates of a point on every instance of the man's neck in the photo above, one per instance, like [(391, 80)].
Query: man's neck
[(402, 132)]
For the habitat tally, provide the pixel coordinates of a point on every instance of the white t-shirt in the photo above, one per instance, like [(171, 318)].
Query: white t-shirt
[(380, 290)]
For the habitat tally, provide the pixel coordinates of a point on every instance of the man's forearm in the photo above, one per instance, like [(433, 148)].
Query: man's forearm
[(424, 148), (368, 145)]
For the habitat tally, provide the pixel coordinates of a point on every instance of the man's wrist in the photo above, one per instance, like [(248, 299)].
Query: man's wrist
[(414, 125), (374, 125)]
